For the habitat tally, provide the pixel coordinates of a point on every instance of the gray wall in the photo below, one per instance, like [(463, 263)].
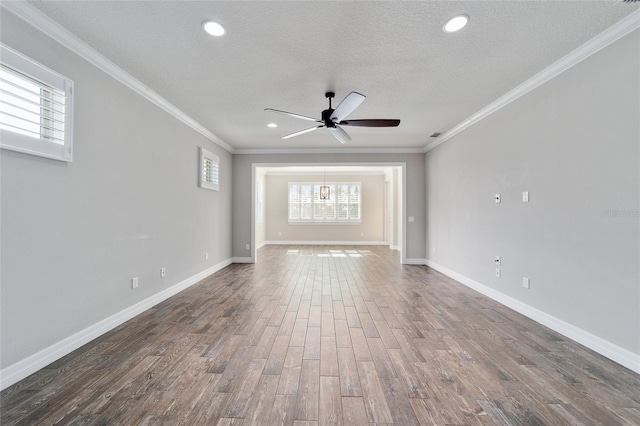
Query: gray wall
[(415, 192), (573, 143), (74, 234), (278, 211)]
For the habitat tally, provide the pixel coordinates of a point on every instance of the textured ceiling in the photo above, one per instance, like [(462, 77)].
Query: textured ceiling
[(285, 55)]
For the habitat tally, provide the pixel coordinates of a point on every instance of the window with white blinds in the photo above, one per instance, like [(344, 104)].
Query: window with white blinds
[(344, 204), (209, 170), (36, 107)]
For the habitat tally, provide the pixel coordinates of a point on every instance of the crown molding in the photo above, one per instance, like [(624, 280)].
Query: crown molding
[(418, 150), (31, 15), (599, 42)]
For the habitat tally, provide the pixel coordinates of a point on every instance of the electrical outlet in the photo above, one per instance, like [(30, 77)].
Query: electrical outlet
[(525, 282), (134, 282), (525, 196), (163, 272), (497, 260), (498, 273), (247, 246), (206, 255)]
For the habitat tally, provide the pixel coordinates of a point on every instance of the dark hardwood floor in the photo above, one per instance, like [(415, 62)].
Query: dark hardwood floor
[(328, 335)]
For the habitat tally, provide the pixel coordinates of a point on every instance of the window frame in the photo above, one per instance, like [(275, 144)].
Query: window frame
[(41, 147), (214, 184), (315, 199)]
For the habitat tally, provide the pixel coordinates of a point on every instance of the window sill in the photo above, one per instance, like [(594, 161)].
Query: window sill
[(324, 223)]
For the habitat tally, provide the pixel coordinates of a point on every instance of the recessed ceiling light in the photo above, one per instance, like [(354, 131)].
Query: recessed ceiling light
[(213, 28), (272, 125), (455, 24)]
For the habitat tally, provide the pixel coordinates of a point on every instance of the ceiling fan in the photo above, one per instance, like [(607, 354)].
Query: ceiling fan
[(332, 119)]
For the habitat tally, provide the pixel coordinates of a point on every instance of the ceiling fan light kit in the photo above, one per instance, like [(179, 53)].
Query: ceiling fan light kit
[(324, 188), (332, 119)]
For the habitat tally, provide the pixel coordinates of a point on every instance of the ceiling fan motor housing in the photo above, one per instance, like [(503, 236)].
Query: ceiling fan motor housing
[(326, 117)]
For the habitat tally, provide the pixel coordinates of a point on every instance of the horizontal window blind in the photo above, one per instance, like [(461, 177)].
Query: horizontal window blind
[(36, 107), (30, 107)]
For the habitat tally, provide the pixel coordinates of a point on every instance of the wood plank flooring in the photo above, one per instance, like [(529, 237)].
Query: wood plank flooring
[(328, 336)]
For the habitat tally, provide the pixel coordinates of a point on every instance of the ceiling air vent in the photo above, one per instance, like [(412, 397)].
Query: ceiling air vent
[(435, 135)]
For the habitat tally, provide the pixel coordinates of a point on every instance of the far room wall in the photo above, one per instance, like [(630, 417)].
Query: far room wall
[(369, 230)]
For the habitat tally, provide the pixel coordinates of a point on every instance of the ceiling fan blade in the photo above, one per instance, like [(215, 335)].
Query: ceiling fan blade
[(346, 107), (371, 123), (310, 129), (340, 134), (303, 117)]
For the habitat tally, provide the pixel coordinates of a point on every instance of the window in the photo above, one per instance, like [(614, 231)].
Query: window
[(36, 108), (209, 170), (342, 206)]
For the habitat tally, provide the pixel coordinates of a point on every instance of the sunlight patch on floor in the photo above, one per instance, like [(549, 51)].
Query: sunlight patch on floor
[(330, 253)]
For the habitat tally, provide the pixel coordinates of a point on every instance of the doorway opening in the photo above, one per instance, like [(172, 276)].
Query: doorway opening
[(364, 207)]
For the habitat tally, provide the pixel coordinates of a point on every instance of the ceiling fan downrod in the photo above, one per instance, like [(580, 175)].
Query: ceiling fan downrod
[(326, 114)]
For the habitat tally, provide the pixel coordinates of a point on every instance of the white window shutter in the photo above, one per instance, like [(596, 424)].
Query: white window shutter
[(342, 206), (36, 108), (209, 170)]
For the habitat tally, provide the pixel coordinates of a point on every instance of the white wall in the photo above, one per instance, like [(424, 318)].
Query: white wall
[(369, 230), (261, 227), (573, 143), (73, 234)]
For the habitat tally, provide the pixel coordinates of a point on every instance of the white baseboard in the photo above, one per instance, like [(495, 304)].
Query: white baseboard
[(415, 262), (261, 244), (241, 260), (605, 348), (327, 243), (21, 369), (396, 248)]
